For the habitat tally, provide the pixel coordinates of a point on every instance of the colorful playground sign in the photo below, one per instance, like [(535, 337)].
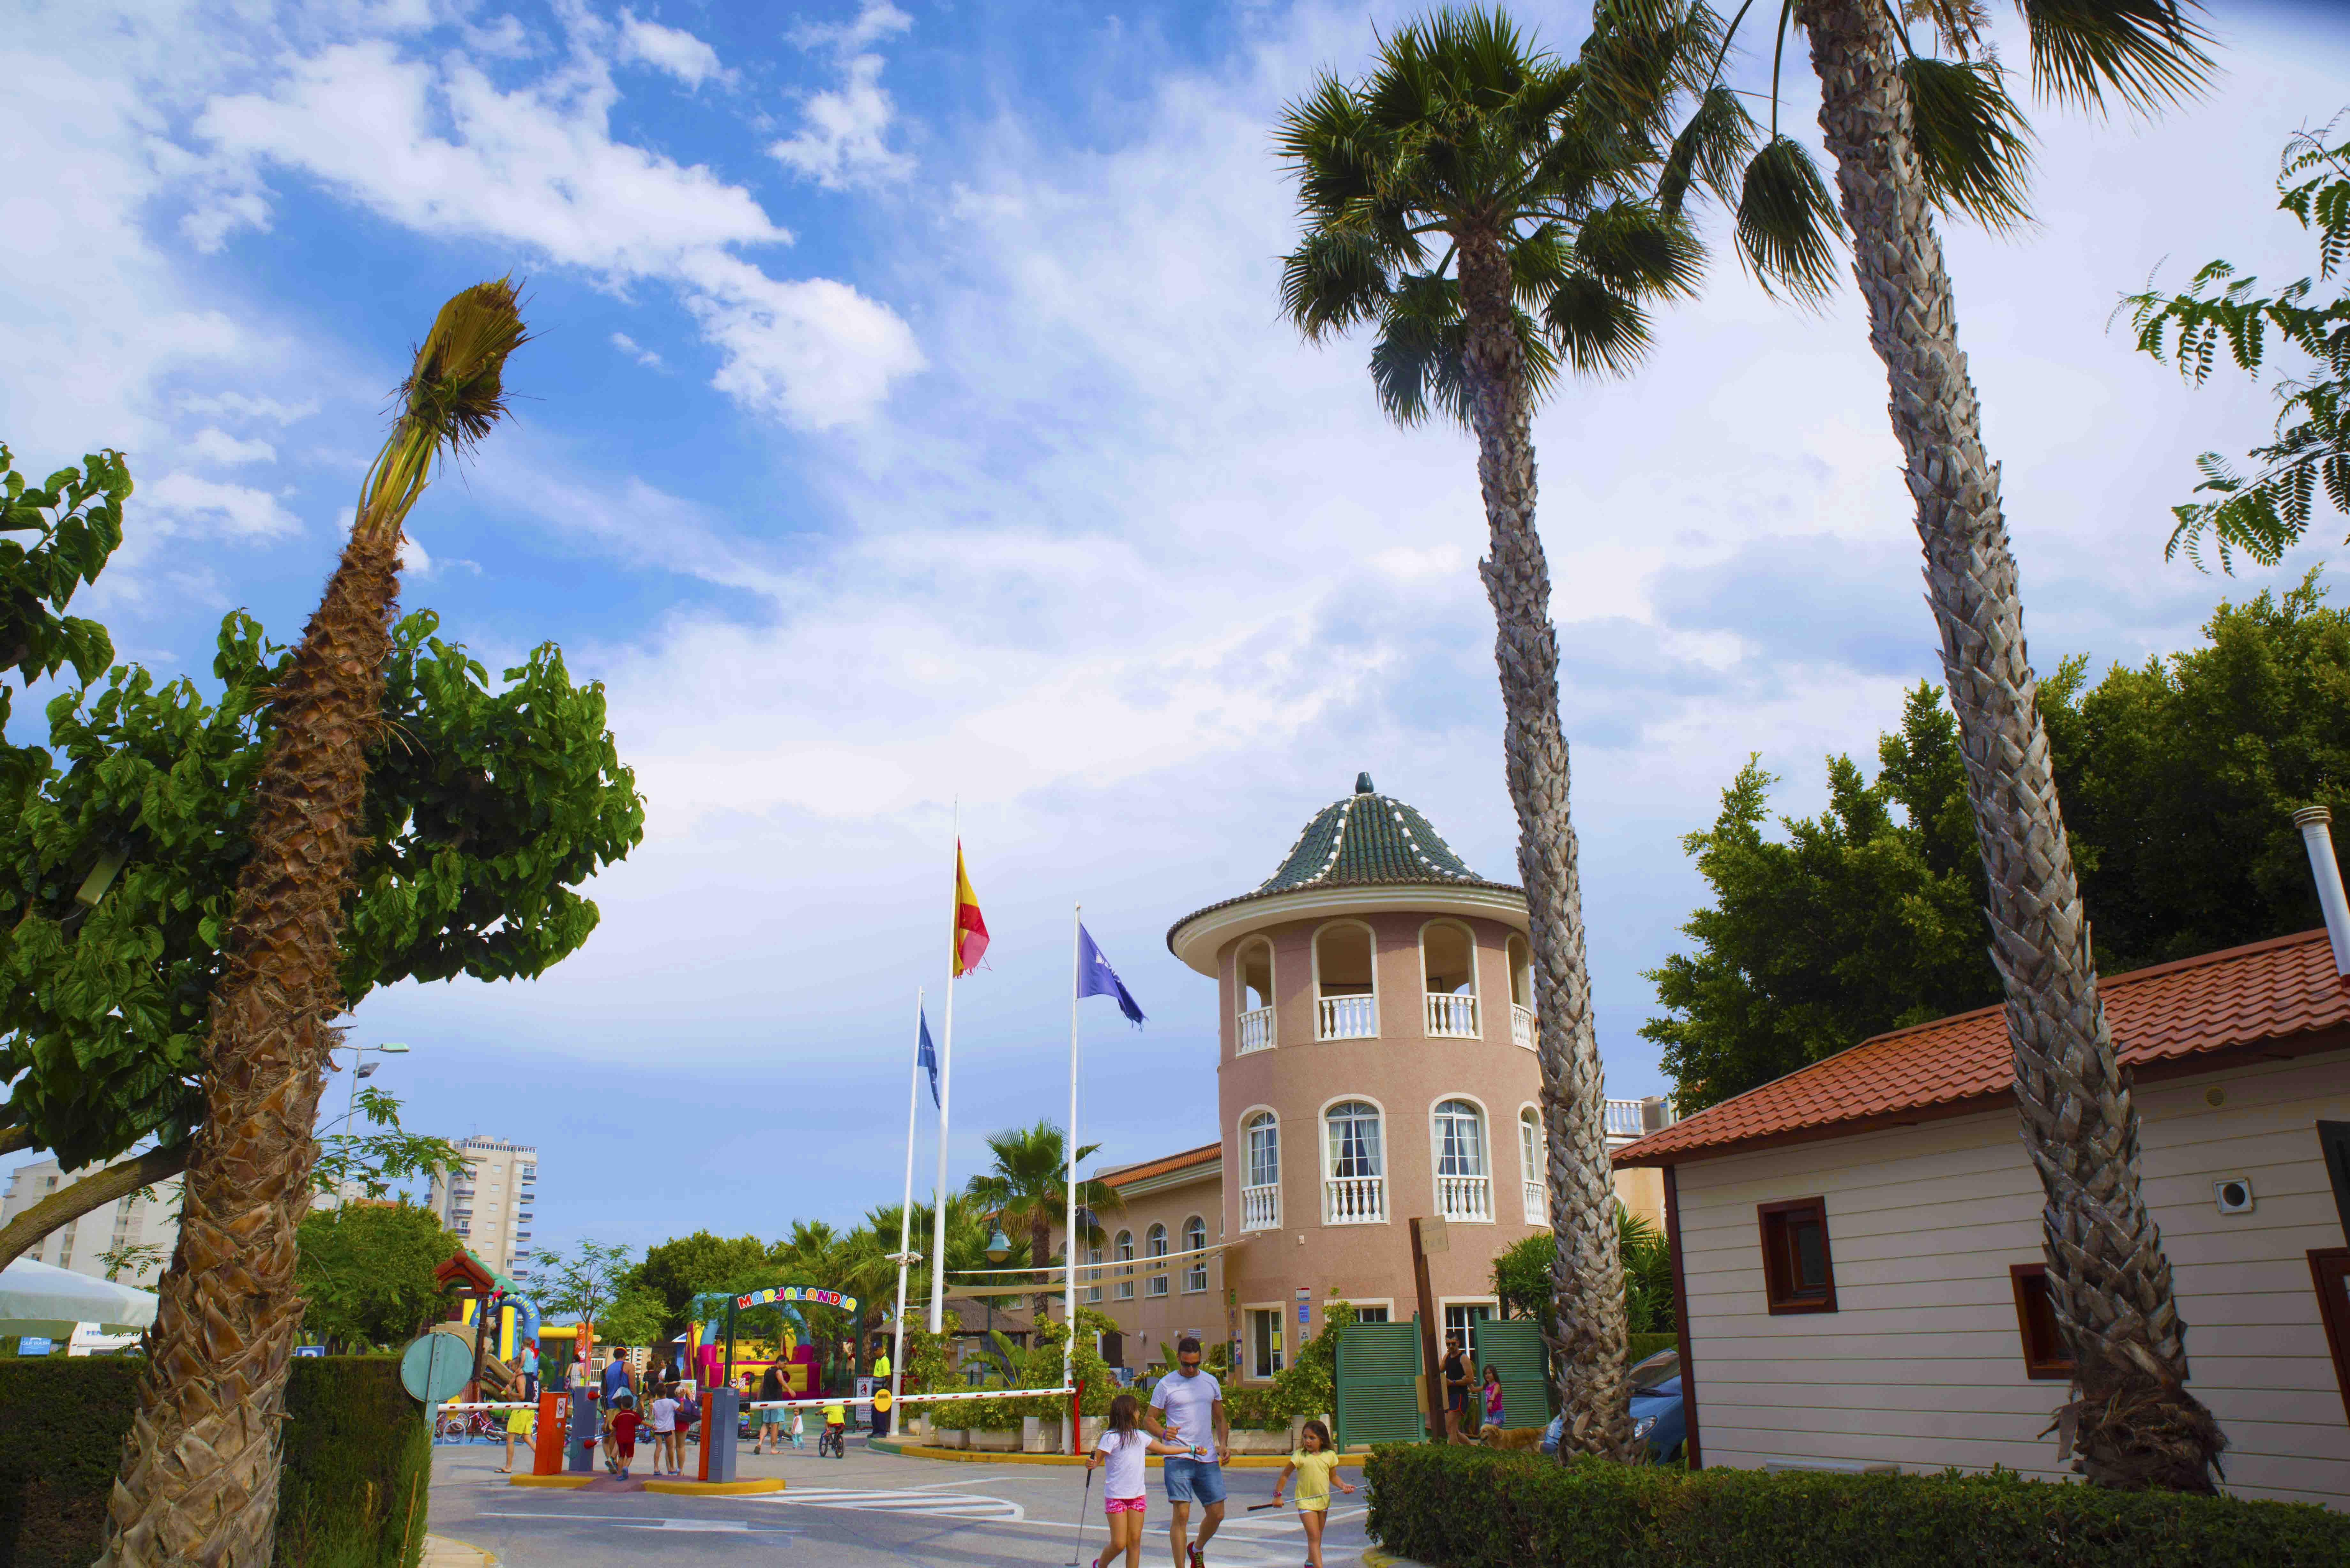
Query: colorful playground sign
[(810, 1295)]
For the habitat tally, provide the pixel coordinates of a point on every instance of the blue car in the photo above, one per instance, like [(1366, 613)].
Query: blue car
[(1658, 1417)]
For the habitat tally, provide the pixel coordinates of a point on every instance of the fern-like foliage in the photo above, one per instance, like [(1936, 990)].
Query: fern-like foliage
[(2268, 511)]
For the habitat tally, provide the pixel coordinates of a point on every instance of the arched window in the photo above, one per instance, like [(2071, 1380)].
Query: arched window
[(1464, 1187), (1252, 985), (1346, 995), (1448, 957), (1195, 1242), (1154, 1245), (1094, 1290), (1355, 1185), (1532, 1165), (1261, 1192), (1521, 992), (1123, 1249)]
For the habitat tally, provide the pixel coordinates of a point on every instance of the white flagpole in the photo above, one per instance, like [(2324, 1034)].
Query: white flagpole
[(1069, 1244), (905, 1208), (946, 1094)]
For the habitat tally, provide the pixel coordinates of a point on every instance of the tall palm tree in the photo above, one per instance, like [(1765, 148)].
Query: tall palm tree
[(1909, 134), (1476, 204), (1028, 1185), (199, 1477)]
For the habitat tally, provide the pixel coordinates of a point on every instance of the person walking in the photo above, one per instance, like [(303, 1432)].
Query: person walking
[(1456, 1390), (771, 1421), (1316, 1465), (797, 1428), (1492, 1399), (518, 1429), (1186, 1409), (621, 1424), (616, 1380), (663, 1412), (1122, 1446)]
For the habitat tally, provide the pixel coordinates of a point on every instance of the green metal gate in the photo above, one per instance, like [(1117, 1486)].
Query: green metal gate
[(1513, 1347), (1377, 1395)]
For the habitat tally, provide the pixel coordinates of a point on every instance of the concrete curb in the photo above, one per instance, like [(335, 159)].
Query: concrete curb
[(750, 1485), (448, 1552), (1375, 1558), (1156, 1462)]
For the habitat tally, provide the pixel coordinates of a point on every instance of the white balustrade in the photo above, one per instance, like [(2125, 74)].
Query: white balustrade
[(1521, 1025), (1349, 1017), (1537, 1210), (1465, 1196), (1261, 1206), (1623, 1118), (1255, 1030), (1451, 1015), (1354, 1201)]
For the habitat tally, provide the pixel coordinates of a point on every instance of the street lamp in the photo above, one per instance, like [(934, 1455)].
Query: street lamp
[(362, 1068), (999, 1245)]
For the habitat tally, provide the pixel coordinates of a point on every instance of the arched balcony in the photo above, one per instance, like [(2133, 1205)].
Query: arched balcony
[(1464, 1177), (1346, 993), (1521, 992), (1261, 1154), (1253, 989), (1448, 958)]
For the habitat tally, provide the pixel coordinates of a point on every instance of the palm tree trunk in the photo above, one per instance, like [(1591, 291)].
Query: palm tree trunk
[(199, 1480), (2131, 1417), (1587, 1275)]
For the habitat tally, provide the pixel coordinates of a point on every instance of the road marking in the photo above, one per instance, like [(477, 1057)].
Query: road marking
[(926, 1504), (635, 1521)]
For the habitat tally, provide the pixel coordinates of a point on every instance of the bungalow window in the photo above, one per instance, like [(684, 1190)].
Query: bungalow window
[(2035, 1321), (1797, 1274)]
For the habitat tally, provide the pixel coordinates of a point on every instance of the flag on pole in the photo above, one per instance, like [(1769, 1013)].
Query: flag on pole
[(970, 930), (927, 1056), (1096, 977)]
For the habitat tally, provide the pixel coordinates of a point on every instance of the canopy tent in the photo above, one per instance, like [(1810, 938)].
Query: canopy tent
[(32, 1291)]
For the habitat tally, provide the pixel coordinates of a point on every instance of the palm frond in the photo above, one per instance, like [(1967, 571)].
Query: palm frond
[(454, 393), (2147, 53), (1332, 282), (1639, 251), (1416, 363), (1709, 151), (1602, 332), (1787, 224), (1973, 146)]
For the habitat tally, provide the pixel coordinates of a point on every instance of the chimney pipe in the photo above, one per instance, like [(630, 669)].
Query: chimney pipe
[(2312, 821)]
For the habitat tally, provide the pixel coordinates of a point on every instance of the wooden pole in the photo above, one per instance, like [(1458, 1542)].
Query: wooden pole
[(1431, 1376)]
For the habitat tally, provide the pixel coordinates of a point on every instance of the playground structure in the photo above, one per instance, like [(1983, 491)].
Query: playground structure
[(505, 1347), (712, 1335)]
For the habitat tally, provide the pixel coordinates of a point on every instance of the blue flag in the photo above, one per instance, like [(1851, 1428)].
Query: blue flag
[(1096, 977), (928, 1057)]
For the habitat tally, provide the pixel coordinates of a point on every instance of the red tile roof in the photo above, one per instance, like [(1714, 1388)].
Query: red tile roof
[(1160, 1167), (2284, 990)]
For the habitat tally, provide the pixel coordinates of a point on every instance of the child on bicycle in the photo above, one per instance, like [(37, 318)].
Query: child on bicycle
[(835, 1428)]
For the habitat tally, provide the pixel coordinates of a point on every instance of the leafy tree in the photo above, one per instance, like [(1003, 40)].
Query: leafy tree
[(2269, 511), (637, 1316), (2181, 777), (581, 1286), (121, 846), (76, 517), (677, 1270), (1473, 202), (1028, 1184), (365, 1272), (372, 1161), (1912, 134)]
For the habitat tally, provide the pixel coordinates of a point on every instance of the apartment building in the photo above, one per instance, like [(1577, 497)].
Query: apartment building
[(133, 1236), (487, 1204)]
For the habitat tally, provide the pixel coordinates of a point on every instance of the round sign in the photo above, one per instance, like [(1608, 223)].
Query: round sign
[(881, 1401), (435, 1368)]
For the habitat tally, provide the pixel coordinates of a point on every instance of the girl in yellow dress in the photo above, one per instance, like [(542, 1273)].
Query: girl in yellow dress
[(1316, 1466)]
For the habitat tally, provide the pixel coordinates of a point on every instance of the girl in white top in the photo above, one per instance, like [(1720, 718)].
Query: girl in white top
[(1122, 1447), (663, 1411)]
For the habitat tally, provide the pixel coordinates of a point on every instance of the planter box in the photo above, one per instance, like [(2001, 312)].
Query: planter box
[(1246, 1441), (1004, 1442), (947, 1437), (1089, 1431)]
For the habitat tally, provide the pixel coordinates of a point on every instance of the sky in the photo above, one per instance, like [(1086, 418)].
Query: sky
[(911, 440)]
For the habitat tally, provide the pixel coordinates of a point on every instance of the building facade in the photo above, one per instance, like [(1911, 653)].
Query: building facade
[(139, 1232), (1376, 1064), (487, 1204)]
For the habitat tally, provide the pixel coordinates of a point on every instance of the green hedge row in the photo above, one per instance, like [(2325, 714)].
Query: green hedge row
[(1465, 1508), (358, 1459)]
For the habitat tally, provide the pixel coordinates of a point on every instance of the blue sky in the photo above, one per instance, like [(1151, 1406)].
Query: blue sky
[(910, 423)]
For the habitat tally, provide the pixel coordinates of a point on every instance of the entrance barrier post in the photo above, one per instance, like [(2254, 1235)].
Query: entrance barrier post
[(546, 1444)]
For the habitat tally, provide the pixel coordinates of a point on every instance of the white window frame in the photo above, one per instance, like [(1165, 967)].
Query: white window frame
[(1195, 1267), (1155, 1285), (1249, 1118), (1122, 1250), (1324, 1171), (1094, 1290), (1533, 1175), (1385, 1303), (1444, 1324), (1436, 1154), (1248, 1372), (1370, 937)]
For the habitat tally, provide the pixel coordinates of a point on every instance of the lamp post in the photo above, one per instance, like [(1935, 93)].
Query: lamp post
[(361, 1068), (999, 1247)]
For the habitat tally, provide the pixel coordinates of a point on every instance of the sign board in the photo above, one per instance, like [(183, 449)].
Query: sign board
[(1304, 1307), (36, 1345), (794, 1294), (1433, 1237), (434, 1369), (309, 1350)]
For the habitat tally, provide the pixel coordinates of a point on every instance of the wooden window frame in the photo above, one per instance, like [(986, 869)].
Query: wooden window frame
[(1770, 1223), (2043, 1355), (2329, 1275)]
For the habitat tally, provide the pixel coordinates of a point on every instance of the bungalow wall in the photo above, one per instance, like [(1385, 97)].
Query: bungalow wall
[(1922, 1363)]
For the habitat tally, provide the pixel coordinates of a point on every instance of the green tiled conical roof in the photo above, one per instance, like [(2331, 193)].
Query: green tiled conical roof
[(1367, 837)]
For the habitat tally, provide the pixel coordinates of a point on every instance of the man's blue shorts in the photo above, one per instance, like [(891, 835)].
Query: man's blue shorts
[(1194, 1480)]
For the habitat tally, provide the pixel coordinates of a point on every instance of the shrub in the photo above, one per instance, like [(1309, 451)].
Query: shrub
[(356, 1451), (1464, 1508)]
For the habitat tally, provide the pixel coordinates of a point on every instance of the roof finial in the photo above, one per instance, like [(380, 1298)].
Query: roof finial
[(1363, 785)]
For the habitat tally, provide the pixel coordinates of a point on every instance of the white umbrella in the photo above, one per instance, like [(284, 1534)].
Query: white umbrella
[(37, 1292)]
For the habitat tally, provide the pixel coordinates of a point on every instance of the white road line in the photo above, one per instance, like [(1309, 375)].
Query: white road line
[(925, 1504)]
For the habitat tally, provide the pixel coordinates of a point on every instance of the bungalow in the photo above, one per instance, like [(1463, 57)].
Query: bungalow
[(1857, 1245)]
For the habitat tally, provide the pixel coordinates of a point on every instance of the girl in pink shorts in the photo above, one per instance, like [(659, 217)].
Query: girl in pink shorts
[(1121, 1449)]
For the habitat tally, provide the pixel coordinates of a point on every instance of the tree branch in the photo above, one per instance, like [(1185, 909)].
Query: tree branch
[(19, 1235), (14, 1138)]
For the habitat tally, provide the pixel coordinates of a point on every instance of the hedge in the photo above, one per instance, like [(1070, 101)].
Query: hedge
[(352, 1494), (1466, 1508)]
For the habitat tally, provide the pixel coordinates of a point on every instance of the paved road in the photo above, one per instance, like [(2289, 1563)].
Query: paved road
[(863, 1512)]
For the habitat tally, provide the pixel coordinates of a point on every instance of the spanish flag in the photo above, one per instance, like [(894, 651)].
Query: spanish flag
[(970, 940)]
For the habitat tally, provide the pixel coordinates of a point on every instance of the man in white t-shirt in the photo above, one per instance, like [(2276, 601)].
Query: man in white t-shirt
[(1188, 1408)]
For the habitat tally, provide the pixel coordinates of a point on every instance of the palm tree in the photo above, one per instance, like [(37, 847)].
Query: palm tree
[(1028, 1185), (199, 1477), (1910, 134), (1475, 203)]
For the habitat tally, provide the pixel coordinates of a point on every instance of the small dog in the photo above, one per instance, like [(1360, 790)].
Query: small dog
[(1513, 1438)]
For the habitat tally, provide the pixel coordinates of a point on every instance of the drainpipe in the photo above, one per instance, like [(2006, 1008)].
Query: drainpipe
[(2317, 836)]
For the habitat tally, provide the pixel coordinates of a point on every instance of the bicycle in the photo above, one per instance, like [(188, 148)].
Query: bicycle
[(833, 1441), (464, 1425)]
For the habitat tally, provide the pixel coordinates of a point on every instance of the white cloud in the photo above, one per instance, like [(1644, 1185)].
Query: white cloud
[(413, 558), (629, 346), (238, 406), (815, 353), (206, 506), (843, 141), (680, 54), (216, 445)]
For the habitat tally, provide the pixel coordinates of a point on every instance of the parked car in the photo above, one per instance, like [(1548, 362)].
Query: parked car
[(1658, 1417)]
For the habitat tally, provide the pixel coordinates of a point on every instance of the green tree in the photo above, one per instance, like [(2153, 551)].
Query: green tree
[(637, 1317), (1473, 202), (582, 1283), (76, 518), (2267, 512), (1912, 134), (1027, 1184), (365, 1272), (677, 1270)]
